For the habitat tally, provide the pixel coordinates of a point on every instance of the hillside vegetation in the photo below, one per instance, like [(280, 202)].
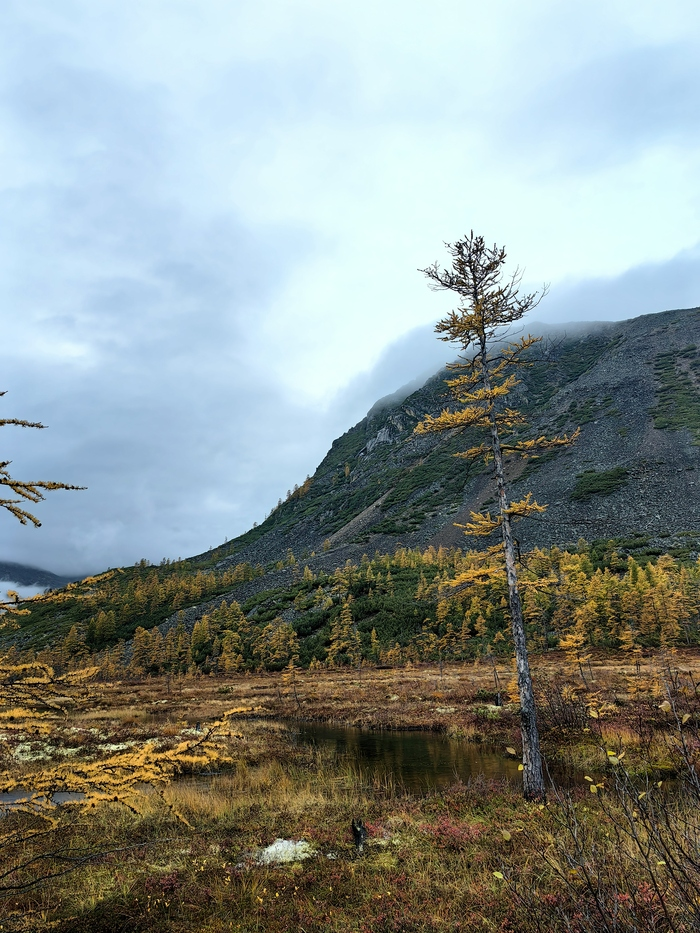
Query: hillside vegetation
[(389, 609)]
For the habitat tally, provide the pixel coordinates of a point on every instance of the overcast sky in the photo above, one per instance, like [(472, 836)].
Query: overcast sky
[(213, 212)]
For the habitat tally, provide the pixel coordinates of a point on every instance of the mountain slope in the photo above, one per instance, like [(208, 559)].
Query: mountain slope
[(633, 387), (30, 576)]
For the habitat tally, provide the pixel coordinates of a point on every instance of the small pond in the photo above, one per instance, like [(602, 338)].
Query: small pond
[(419, 761)]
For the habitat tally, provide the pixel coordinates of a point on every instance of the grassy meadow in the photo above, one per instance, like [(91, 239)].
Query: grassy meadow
[(619, 851)]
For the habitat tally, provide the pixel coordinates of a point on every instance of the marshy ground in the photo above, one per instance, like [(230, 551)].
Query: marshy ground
[(474, 856)]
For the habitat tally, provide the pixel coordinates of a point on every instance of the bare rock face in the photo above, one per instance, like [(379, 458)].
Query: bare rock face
[(383, 436), (633, 387)]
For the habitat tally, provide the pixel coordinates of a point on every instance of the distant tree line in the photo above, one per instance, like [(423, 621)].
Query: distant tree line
[(434, 605)]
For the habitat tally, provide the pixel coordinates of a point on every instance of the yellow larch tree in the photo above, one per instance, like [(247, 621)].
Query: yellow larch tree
[(489, 305), (35, 701), (345, 644)]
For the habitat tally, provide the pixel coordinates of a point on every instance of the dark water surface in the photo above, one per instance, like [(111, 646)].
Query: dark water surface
[(419, 761), (10, 800)]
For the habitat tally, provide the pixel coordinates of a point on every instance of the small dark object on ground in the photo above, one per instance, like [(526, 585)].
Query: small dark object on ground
[(359, 834)]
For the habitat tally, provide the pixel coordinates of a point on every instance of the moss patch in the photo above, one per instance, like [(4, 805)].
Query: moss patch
[(678, 399), (593, 483)]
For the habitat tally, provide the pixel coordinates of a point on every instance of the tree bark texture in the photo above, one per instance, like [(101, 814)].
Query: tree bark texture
[(533, 778)]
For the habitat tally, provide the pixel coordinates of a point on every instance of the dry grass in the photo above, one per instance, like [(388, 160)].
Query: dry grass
[(440, 862), (430, 861), (402, 697)]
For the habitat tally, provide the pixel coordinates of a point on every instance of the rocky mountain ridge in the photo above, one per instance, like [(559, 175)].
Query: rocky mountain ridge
[(633, 387)]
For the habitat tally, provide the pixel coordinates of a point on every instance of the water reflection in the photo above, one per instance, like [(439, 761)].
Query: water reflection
[(9, 801), (419, 761)]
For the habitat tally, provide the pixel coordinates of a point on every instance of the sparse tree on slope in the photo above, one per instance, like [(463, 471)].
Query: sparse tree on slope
[(489, 305)]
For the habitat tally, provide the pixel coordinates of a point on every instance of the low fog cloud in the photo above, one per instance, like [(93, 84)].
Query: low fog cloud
[(645, 289)]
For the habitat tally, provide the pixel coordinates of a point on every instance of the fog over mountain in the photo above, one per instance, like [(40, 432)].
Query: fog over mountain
[(27, 581)]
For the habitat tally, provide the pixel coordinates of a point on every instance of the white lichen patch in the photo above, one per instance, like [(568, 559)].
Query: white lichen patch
[(31, 751), (115, 746), (445, 709), (285, 850), (25, 751)]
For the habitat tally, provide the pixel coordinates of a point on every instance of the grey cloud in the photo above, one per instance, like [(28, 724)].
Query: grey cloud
[(608, 108), (167, 475), (407, 362), (24, 591), (160, 412), (309, 85), (87, 112)]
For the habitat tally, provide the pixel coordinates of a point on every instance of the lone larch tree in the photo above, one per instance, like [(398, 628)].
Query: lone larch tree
[(490, 304)]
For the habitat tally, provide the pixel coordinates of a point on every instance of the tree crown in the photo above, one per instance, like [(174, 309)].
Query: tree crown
[(485, 374), (490, 301)]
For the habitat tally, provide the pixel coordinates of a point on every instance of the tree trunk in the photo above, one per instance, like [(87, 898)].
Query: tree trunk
[(533, 779)]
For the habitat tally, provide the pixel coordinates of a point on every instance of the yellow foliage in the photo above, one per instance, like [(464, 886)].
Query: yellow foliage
[(120, 777)]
